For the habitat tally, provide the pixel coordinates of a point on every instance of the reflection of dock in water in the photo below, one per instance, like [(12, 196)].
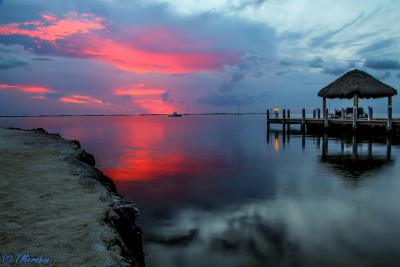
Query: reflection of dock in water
[(353, 159), (356, 164)]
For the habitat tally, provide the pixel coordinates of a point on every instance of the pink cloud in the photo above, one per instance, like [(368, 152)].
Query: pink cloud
[(26, 89), (51, 28), (133, 49), (38, 97), (81, 99), (128, 57)]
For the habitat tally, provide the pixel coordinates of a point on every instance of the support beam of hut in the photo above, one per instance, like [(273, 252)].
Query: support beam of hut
[(355, 101), (323, 106)]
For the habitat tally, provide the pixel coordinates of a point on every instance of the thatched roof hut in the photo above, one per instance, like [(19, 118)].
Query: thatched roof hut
[(357, 84)]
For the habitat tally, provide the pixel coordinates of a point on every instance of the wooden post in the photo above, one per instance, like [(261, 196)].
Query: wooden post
[(313, 113), (288, 124), (318, 113), (323, 104), (283, 121), (389, 120), (303, 120), (355, 101), (370, 113), (326, 118), (267, 121), (343, 114), (355, 117)]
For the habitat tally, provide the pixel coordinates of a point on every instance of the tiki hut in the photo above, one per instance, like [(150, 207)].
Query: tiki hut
[(356, 84)]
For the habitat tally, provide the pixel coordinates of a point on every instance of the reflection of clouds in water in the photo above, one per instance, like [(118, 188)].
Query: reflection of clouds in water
[(308, 232)]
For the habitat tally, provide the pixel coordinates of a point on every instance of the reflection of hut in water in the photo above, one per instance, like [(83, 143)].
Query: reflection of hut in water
[(354, 165)]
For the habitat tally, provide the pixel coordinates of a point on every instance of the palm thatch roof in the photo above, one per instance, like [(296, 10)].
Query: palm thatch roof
[(357, 82)]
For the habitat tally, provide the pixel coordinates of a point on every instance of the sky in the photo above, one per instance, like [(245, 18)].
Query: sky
[(160, 56)]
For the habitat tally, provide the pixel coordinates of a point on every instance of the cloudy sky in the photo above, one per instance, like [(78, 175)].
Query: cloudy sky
[(160, 56)]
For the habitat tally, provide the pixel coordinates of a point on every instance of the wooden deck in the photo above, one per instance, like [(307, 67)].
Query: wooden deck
[(337, 125)]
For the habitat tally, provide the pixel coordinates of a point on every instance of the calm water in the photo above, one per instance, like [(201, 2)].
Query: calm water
[(217, 191)]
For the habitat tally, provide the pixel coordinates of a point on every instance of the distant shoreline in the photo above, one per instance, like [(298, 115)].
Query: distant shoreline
[(132, 115)]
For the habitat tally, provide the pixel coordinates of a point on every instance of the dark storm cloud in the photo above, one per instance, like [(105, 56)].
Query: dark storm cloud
[(41, 59), (54, 95), (327, 39), (13, 62), (13, 56), (334, 70), (127, 98), (284, 63), (382, 64), (227, 100), (316, 63), (382, 75), (379, 45), (165, 96), (251, 65)]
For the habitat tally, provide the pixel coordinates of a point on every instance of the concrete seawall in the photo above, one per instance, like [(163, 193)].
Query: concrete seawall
[(57, 208)]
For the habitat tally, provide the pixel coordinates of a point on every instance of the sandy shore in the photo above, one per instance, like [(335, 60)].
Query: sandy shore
[(56, 208)]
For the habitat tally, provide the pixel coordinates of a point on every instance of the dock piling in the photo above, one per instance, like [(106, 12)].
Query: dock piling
[(284, 120), (303, 120), (370, 113), (326, 112), (355, 115)]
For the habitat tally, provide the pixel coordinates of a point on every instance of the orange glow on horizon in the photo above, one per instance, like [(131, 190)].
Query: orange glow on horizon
[(156, 106), (139, 91), (149, 99)]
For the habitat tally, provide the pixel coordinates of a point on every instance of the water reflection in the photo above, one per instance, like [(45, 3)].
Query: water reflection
[(214, 191), (357, 160), (349, 157)]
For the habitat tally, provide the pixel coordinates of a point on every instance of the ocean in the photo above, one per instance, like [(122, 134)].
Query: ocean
[(217, 190)]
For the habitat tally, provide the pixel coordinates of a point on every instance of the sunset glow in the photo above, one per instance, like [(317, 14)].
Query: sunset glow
[(158, 56), (128, 57)]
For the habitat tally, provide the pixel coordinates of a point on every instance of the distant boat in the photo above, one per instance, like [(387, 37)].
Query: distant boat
[(175, 114)]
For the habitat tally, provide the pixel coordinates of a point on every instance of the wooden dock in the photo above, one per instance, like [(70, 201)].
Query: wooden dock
[(327, 123)]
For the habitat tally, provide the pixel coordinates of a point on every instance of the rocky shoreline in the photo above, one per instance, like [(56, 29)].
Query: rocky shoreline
[(73, 195)]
